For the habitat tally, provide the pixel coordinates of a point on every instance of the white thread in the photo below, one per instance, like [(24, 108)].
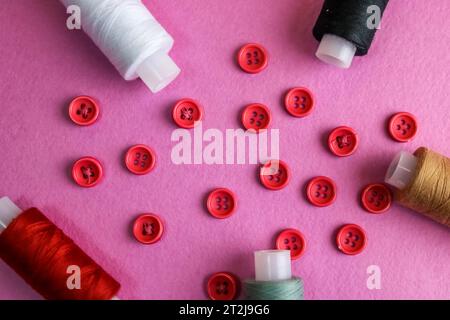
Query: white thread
[(127, 33)]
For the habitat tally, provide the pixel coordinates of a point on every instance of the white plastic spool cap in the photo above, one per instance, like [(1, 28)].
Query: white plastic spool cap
[(336, 51), (272, 265), (157, 71), (8, 211), (401, 170)]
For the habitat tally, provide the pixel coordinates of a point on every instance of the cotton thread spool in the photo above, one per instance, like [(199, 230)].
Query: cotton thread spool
[(273, 279), (131, 38), (343, 30), (41, 254), (422, 180)]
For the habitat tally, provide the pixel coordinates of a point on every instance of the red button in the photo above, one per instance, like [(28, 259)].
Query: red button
[(256, 116), (223, 286), (186, 112), (403, 126), (299, 102), (376, 198), (321, 191), (274, 175), (252, 58), (351, 239), (293, 240), (221, 203), (148, 228), (83, 110), (343, 141), (87, 172), (140, 159)]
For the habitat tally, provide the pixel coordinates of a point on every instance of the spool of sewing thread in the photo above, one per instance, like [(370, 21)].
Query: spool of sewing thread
[(131, 38), (44, 257), (273, 279), (422, 181), (347, 28)]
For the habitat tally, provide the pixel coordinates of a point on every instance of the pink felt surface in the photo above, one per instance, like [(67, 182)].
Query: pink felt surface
[(43, 65)]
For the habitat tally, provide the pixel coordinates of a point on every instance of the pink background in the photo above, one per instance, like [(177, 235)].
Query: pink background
[(44, 65)]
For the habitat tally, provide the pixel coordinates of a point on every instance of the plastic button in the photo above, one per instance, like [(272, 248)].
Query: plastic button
[(87, 172), (299, 102), (252, 58), (256, 116), (376, 198), (221, 203), (343, 141), (140, 159), (293, 240), (403, 126), (148, 228), (351, 239), (83, 110), (321, 191), (223, 286), (274, 174), (186, 113)]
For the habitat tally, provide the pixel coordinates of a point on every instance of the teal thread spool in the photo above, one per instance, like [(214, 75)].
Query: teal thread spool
[(273, 278)]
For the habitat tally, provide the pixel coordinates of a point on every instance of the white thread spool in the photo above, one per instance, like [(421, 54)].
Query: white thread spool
[(272, 265), (131, 38)]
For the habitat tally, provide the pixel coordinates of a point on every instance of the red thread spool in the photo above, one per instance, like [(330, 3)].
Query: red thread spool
[(41, 253)]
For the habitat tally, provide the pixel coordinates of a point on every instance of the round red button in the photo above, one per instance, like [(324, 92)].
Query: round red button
[(148, 228), (140, 159), (223, 286), (253, 58), (221, 203), (299, 102), (186, 112), (343, 141), (351, 239), (321, 191), (274, 174), (403, 126), (376, 198), (293, 240), (256, 116), (87, 172), (83, 110)]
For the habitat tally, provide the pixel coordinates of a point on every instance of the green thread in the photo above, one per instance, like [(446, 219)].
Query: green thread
[(291, 289)]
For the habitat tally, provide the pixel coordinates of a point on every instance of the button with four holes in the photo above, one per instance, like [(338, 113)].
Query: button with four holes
[(87, 172), (83, 110), (256, 117), (223, 286), (376, 198), (293, 240), (186, 113), (274, 174), (403, 126), (351, 239), (299, 102), (148, 228), (343, 141), (140, 159), (253, 58), (321, 191), (221, 203)]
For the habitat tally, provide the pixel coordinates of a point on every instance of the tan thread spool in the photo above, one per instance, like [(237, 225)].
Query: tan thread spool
[(428, 190)]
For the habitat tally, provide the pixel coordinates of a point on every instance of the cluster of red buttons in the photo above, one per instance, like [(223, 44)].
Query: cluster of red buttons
[(139, 159), (274, 174)]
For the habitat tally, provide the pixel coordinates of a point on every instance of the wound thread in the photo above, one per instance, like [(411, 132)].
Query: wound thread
[(429, 190), (348, 19), (41, 253), (291, 289)]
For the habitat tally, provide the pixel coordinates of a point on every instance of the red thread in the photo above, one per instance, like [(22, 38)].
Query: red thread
[(41, 253)]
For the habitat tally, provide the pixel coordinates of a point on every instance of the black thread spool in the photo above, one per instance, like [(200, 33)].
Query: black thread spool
[(346, 28)]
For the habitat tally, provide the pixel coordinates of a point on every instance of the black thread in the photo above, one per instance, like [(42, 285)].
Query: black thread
[(348, 19)]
